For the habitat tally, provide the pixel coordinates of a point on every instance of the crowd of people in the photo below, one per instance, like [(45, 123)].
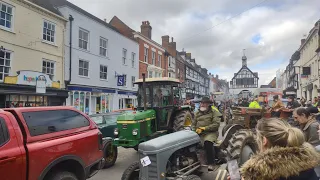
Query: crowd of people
[(286, 152)]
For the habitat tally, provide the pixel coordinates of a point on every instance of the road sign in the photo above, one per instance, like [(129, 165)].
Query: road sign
[(120, 80)]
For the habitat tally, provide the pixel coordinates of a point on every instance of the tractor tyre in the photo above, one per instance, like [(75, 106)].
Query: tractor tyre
[(225, 129), (110, 153), (132, 172), (182, 119), (242, 146), (193, 177)]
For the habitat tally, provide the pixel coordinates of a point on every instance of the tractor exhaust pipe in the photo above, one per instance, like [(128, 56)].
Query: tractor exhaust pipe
[(144, 91)]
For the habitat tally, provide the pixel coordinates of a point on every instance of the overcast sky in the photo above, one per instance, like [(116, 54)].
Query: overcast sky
[(269, 30)]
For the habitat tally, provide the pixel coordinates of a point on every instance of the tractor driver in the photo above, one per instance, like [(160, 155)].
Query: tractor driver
[(158, 98), (206, 123)]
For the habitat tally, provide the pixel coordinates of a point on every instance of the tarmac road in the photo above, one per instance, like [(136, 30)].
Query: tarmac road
[(127, 157)]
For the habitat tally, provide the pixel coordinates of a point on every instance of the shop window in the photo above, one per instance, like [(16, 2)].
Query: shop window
[(150, 74), (103, 47), (49, 30), (83, 68), (55, 121), (124, 56), (6, 17), (133, 79), (4, 134), (48, 68), (83, 39), (103, 72), (5, 64)]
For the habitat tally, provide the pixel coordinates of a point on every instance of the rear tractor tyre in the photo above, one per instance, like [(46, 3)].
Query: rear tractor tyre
[(110, 153), (225, 129), (193, 177), (132, 172), (183, 119), (242, 146)]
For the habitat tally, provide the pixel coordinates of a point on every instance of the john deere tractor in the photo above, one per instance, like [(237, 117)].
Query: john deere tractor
[(159, 111)]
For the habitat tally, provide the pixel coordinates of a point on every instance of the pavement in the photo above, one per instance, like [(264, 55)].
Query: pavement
[(127, 157)]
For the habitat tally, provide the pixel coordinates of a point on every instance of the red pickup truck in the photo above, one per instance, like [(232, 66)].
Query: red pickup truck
[(48, 143)]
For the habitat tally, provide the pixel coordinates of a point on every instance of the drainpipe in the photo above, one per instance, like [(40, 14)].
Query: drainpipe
[(70, 48)]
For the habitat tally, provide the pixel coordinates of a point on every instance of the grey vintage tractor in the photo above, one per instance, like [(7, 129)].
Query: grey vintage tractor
[(180, 156)]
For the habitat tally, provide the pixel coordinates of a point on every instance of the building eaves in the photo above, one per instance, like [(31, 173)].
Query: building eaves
[(47, 4), (140, 34), (314, 30)]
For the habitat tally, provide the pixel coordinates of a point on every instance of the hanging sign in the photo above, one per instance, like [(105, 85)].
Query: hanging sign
[(120, 81), (41, 82)]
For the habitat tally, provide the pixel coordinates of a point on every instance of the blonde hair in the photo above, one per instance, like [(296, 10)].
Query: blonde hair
[(279, 133)]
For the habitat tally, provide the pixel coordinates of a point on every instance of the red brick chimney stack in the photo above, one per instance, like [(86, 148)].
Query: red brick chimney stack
[(165, 41), (146, 29)]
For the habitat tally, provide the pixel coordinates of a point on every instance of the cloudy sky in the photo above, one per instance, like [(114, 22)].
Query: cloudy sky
[(217, 31)]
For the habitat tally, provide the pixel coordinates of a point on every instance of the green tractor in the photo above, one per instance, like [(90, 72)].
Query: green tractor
[(159, 111)]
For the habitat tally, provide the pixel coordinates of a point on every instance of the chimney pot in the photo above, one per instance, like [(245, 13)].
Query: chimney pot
[(105, 20), (171, 39)]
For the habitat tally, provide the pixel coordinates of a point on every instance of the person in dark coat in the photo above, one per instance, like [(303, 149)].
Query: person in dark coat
[(292, 103), (284, 154)]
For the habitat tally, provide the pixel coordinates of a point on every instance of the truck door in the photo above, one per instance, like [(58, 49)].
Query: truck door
[(12, 161)]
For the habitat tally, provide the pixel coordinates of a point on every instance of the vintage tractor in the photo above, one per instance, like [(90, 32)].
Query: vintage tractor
[(180, 155), (159, 111)]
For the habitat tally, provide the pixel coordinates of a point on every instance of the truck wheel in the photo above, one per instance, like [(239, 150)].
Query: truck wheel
[(132, 172), (242, 146), (182, 119), (110, 153), (193, 177), (62, 175), (225, 129)]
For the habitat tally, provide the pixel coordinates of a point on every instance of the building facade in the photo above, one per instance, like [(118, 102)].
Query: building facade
[(31, 53), (101, 64)]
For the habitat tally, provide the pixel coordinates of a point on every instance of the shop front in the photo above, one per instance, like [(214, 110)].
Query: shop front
[(127, 99), (31, 89), (91, 100)]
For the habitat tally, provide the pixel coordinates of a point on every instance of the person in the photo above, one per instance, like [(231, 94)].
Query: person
[(283, 154), (292, 103), (158, 97), (255, 104), (206, 123), (308, 124), (303, 102), (315, 102), (277, 106)]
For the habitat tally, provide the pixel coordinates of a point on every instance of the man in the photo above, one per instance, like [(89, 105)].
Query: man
[(255, 104), (158, 98), (206, 124), (277, 106), (292, 103)]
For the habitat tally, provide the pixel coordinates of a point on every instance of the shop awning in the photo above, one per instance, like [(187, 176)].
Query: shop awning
[(30, 90)]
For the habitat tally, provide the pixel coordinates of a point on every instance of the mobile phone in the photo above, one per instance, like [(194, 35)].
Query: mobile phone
[(233, 169)]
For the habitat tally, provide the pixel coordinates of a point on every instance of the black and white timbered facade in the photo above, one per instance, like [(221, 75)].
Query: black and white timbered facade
[(244, 78)]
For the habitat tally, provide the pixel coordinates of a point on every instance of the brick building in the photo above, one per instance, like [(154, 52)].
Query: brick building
[(153, 58)]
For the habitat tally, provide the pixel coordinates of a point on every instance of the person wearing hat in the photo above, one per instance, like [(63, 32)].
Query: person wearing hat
[(206, 123)]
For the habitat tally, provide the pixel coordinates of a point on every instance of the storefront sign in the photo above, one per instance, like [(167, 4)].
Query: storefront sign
[(41, 82), (120, 81), (127, 93), (90, 89), (29, 78)]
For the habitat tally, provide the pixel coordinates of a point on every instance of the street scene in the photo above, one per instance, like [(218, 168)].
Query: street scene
[(159, 90)]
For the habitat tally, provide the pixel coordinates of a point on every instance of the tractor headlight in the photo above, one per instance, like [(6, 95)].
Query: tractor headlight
[(135, 132), (116, 132)]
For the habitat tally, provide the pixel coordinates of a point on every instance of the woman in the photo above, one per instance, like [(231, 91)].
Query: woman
[(284, 154), (277, 106), (308, 124)]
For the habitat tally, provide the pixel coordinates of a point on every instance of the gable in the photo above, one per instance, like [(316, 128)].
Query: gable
[(245, 72)]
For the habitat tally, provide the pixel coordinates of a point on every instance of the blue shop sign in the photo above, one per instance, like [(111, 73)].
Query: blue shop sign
[(90, 89), (127, 93), (120, 81)]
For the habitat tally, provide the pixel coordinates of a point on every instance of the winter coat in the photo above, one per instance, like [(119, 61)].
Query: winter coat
[(211, 121), (254, 104), (293, 105), (288, 163), (310, 131)]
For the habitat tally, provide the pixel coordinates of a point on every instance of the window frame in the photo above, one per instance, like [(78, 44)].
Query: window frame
[(146, 54), (133, 56), (124, 56), (102, 65), (4, 64), (83, 68), (103, 48), (12, 16), (153, 58), (4, 129), (54, 68), (159, 60), (54, 32), (88, 41), (133, 80), (125, 80)]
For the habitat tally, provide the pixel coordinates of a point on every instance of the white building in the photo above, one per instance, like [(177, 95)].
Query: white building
[(100, 57)]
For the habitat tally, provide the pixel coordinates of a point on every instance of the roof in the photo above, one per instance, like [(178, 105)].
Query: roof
[(161, 79), (46, 4), (60, 3), (245, 67)]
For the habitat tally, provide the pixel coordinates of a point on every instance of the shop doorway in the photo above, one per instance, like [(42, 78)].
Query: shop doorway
[(98, 104)]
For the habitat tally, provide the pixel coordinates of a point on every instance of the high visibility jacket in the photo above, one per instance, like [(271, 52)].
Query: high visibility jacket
[(214, 108), (254, 104)]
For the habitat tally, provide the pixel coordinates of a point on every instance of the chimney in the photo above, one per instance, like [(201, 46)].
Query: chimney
[(217, 77), (146, 29), (165, 41), (105, 20), (173, 47), (188, 55), (302, 41)]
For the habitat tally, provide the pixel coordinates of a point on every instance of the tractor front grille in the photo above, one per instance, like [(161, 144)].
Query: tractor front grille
[(143, 129), (149, 172)]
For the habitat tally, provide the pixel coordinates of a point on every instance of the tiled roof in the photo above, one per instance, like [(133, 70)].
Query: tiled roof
[(46, 4)]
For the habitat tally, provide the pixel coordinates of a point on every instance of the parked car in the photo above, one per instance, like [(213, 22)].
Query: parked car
[(49, 143)]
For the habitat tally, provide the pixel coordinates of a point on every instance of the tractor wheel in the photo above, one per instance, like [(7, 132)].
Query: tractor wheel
[(242, 146), (193, 177), (110, 153), (132, 172), (225, 129), (182, 119)]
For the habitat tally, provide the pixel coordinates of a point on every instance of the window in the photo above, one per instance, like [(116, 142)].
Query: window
[(155, 74), (5, 64), (133, 79), (48, 68), (169, 61), (133, 56), (103, 47), (150, 74), (103, 72), (153, 57), (146, 50), (83, 68), (6, 15), (4, 134), (159, 60), (55, 121), (178, 73), (124, 80), (83, 39), (49, 30), (124, 56), (169, 75)]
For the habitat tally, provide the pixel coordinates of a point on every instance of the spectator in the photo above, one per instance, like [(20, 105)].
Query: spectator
[(303, 102), (254, 104), (292, 103), (284, 154), (277, 106), (308, 124), (315, 102)]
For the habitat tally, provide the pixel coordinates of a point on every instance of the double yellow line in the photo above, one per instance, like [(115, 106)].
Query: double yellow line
[(133, 122)]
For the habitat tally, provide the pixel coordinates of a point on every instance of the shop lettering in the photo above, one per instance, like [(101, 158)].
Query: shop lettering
[(32, 79)]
